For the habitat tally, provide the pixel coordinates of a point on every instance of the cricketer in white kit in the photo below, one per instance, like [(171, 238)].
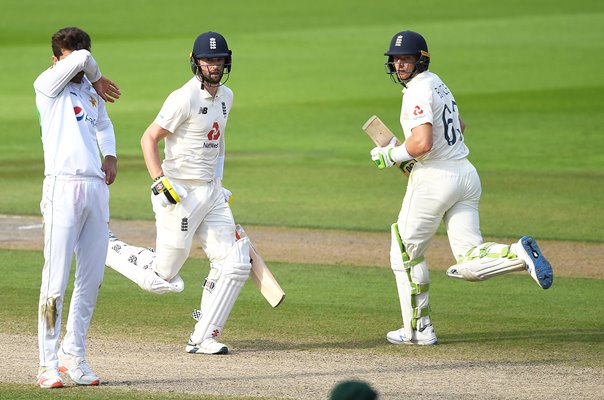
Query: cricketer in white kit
[(443, 185), (188, 199), (75, 200)]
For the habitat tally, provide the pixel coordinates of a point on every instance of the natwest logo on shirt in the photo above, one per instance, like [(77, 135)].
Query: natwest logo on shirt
[(214, 133), (79, 113), (417, 111)]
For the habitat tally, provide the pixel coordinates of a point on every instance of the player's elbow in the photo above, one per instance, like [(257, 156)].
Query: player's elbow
[(144, 141), (422, 147)]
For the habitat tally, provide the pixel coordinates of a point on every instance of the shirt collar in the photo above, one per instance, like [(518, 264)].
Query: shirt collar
[(416, 78), (205, 94)]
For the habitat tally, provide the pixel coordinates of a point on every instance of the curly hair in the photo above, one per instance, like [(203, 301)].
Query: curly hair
[(69, 39)]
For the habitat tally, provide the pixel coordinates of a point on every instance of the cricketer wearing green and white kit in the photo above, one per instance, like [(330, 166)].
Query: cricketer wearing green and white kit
[(75, 199), (443, 186)]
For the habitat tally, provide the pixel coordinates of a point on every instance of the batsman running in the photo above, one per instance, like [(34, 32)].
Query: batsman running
[(443, 185), (188, 198)]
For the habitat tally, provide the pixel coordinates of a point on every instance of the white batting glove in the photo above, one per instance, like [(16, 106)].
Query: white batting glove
[(166, 193), (226, 193), (381, 156)]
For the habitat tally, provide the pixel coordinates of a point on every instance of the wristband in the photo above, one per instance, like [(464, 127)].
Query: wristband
[(399, 154)]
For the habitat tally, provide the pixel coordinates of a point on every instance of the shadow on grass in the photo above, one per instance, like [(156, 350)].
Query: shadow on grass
[(568, 337)]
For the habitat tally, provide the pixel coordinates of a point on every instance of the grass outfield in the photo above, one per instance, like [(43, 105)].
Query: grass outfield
[(506, 319), (527, 78)]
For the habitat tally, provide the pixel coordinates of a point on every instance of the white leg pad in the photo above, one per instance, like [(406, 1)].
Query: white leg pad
[(216, 306), (486, 261), (412, 282), (136, 264)]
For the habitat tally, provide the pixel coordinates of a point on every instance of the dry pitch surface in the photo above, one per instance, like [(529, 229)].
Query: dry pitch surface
[(296, 374)]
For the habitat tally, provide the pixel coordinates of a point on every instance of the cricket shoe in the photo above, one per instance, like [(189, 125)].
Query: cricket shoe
[(536, 264), (207, 346), (424, 337), (78, 370), (49, 378)]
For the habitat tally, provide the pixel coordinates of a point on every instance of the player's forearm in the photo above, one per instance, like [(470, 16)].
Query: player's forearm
[(52, 81), (106, 140), (105, 135)]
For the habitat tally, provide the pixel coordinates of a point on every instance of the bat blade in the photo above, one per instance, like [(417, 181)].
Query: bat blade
[(378, 132), (262, 277)]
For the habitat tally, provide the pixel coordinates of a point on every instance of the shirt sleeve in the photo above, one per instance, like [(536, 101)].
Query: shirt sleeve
[(417, 109), (52, 81), (174, 112), (105, 134)]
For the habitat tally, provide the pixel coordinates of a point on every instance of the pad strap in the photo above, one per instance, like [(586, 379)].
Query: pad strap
[(483, 251)]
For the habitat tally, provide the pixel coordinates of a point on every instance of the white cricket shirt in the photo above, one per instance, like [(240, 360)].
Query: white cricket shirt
[(197, 122), (426, 99), (73, 118)]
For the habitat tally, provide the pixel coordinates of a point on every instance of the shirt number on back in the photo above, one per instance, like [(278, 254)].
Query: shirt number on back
[(451, 125)]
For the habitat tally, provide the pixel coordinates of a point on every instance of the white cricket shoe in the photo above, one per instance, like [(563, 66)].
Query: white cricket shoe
[(207, 346), (78, 370), (424, 337), (536, 264), (49, 378)]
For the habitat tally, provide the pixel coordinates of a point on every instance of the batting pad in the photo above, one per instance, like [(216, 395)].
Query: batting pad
[(486, 261), (234, 272), (135, 264), (412, 282)]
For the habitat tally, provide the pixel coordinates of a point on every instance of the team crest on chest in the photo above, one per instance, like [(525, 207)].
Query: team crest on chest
[(224, 110)]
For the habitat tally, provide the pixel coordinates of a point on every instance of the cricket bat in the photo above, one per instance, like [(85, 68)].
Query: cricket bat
[(379, 133), (261, 275)]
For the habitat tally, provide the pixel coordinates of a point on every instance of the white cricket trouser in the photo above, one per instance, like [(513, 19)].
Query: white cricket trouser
[(76, 217), (441, 190), (203, 214)]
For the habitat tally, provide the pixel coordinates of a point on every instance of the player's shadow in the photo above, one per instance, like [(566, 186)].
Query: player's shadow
[(445, 339), (560, 335), (263, 345)]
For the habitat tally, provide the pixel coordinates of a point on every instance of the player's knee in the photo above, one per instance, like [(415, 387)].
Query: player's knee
[(236, 264)]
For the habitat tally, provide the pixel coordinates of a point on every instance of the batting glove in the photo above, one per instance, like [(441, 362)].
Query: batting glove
[(381, 156), (166, 193)]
